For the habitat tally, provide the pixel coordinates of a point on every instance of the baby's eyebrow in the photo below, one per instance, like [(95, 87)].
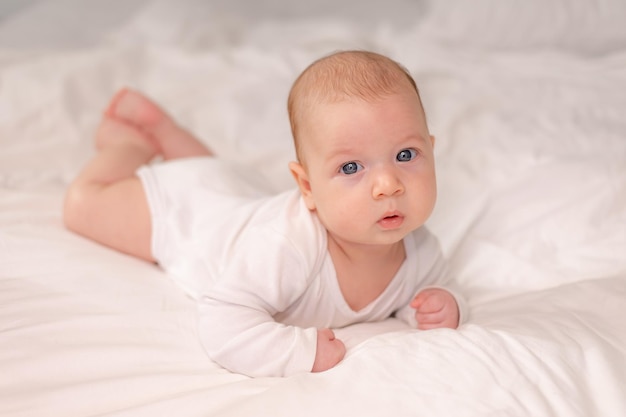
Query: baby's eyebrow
[(340, 156), (341, 147), (342, 151), (419, 137), (347, 149)]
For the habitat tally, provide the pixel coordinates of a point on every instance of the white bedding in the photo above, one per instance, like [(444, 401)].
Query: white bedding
[(528, 103)]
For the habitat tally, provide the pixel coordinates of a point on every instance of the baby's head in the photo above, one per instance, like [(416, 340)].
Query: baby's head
[(365, 155), (343, 75)]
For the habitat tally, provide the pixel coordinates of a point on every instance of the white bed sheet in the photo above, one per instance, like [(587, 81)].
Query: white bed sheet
[(527, 103)]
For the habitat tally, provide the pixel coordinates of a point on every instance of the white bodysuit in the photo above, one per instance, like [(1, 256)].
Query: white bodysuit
[(260, 269)]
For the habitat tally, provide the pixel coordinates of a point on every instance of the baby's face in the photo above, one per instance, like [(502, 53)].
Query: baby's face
[(371, 168)]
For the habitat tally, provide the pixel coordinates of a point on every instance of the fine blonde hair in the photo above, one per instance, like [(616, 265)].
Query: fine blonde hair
[(344, 75)]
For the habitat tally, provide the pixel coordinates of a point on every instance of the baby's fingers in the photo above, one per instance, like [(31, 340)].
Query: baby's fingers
[(429, 301), (429, 319), (435, 308), (450, 322), (330, 350)]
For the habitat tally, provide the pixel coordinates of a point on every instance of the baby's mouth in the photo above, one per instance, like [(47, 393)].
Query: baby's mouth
[(391, 221)]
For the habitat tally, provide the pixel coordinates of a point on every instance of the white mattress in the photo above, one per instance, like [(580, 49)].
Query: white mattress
[(527, 101)]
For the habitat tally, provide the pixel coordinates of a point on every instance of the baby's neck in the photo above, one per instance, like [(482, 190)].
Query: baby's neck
[(362, 254), (364, 271)]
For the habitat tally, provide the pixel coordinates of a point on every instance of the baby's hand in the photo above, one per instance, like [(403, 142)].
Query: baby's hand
[(330, 351), (435, 308)]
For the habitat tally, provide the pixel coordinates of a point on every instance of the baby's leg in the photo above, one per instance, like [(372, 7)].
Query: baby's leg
[(106, 202), (173, 141)]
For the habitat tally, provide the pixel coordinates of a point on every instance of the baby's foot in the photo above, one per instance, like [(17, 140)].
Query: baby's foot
[(114, 132), (135, 108), (172, 141)]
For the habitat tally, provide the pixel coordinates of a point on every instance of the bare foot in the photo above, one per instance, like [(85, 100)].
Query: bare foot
[(173, 141), (137, 109), (114, 132)]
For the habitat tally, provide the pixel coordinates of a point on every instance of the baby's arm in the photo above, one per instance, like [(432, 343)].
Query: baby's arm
[(248, 341), (437, 302), (265, 275)]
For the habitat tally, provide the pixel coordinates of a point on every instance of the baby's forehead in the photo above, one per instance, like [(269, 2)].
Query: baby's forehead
[(319, 105), (343, 117)]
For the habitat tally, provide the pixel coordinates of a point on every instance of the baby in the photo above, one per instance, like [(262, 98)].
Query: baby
[(273, 275)]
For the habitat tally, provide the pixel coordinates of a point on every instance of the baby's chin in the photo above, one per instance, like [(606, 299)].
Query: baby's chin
[(387, 238)]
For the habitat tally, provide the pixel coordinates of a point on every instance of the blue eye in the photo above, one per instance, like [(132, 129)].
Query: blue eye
[(406, 155), (350, 168)]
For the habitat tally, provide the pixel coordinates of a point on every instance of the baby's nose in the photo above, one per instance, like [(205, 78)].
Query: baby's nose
[(386, 183)]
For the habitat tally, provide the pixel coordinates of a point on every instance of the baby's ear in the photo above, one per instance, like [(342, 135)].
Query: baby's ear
[(302, 179)]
